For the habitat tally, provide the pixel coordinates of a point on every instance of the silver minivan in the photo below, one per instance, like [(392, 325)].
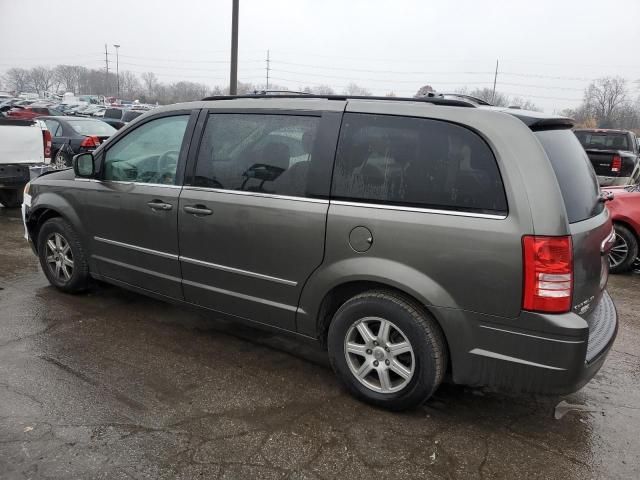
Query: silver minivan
[(417, 239)]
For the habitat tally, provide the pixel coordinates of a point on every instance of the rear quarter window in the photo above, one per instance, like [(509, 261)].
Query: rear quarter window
[(416, 162), (575, 174)]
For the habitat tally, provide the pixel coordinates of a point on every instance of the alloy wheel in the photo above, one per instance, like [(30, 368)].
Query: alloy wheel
[(618, 252), (379, 355), (59, 257)]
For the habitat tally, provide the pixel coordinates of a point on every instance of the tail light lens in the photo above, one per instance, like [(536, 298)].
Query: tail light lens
[(90, 142), (616, 163), (548, 274), (46, 140)]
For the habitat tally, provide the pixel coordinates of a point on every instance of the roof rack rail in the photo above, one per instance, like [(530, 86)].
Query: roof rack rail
[(279, 92), (477, 100), (435, 100)]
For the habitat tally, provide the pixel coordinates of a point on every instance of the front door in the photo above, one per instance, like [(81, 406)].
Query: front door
[(134, 206), (252, 216)]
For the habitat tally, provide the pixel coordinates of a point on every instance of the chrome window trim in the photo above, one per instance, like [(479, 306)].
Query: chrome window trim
[(121, 182), (455, 213), (256, 194), (531, 336), (499, 356), (158, 253), (238, 271)]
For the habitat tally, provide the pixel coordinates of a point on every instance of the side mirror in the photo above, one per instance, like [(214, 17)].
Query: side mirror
[(84, 165)]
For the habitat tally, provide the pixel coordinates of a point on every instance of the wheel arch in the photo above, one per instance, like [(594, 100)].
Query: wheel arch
[(47, 206)]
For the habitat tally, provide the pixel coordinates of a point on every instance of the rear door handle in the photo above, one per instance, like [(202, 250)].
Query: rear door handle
[(197, 210), (159, 205)]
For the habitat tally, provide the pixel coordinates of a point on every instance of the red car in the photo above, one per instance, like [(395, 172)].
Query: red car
[(31, 112), (625, 213)]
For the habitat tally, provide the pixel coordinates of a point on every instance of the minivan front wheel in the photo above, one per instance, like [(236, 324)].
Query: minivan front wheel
[(62, 257), (387, 350)]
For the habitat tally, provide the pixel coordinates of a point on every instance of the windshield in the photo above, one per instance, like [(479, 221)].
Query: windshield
[(91, 127), (603, 140), (575, 174)]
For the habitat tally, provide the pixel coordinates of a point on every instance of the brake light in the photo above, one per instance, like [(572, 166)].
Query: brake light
[(46, 140), (90, 142), (548, 274), (616, 163)]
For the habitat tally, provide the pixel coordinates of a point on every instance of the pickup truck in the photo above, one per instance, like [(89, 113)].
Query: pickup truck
[(25, 151), (614, 154)]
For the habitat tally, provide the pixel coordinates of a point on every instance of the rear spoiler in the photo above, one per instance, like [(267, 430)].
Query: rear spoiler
[(559, 123)]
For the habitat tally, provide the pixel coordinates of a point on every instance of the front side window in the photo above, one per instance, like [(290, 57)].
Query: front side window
[(149, 154), (54, 127), (258, 153), (416, 162)]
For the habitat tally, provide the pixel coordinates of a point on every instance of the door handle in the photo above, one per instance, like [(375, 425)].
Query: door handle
[(159, 205), (197, 210)]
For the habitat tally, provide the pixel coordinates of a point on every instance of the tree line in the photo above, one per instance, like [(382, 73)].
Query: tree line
[(607, 102)]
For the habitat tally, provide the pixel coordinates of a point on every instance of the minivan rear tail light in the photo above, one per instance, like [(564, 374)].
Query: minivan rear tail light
[(548, 274), (616, 163), (46, 141), (90, 142)]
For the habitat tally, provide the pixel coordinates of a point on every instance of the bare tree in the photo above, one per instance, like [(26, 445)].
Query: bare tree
[(604, 97), (129, 85), (69, 77), (18, 79), (356, 90), (524, 104), (422, 91), (486, 94), (42, 79), (150, 81)]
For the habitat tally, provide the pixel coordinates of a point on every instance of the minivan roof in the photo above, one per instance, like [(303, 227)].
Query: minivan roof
[(534, 120)]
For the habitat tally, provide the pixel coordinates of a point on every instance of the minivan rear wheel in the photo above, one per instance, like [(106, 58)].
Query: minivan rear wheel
[(624, 250), (387, 350)]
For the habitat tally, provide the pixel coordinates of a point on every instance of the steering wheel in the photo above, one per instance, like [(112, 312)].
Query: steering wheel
[(166, 166)]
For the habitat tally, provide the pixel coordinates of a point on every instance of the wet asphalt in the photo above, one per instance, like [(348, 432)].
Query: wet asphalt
[(114, 385)]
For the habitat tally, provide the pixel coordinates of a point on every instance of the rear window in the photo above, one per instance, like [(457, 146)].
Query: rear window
[(604, 140), (113, 113), (416, 162), (130, 115), (575, 174), (91, 127)]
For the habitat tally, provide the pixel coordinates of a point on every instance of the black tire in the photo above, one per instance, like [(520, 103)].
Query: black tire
[(11, 198), (78, 280), (62, 160), (625, 235), (430, 355)]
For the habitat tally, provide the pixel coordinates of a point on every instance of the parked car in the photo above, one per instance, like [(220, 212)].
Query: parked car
[(30, 112), (625, 213), (72, 135), (400, 233), (24, 144), (614, 154), (118, 118)]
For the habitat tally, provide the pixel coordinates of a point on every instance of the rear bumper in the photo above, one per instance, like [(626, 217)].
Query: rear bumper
[(14, 176), (605, 181), (560, 357)]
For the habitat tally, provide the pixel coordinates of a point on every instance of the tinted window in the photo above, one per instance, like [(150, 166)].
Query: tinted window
[(260, 153), (577, 180), (604, 140), (416, 162), (149, 153), (91, 127), (129, 115), (113, 113)]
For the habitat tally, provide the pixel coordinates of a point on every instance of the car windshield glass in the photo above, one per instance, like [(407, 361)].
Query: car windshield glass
[(90, 127), (603, 140), (575, 174)]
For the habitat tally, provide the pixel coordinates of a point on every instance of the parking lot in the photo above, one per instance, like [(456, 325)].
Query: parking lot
[(111, 384)]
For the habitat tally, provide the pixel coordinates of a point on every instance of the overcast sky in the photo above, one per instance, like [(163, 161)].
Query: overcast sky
[(548, 50)]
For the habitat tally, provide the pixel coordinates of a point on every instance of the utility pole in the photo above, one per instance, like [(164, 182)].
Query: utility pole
[(117, 47), (268, 68), (106, 62), (233, 79), (495, 79)]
